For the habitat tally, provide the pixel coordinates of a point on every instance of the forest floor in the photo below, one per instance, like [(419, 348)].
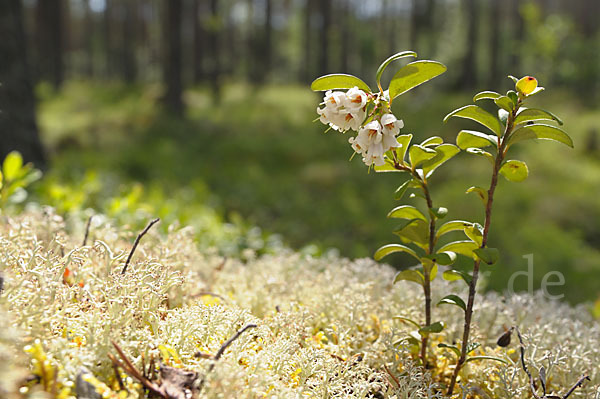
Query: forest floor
[(317, 327)]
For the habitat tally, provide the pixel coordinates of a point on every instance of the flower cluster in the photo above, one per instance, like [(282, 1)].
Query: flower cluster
[(377, 132)]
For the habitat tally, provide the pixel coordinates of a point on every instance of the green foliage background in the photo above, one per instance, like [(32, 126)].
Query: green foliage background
[(257, 160)]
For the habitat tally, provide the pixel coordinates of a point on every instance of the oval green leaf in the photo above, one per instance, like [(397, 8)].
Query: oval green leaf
[(444, 153), (418, 154), (411, 321), (505, 103), (410, 275), (401, 190), (393, 248), (535, 114), (486, 95), (453, 300), (453, 225), (406, 212), (387, 167), (12, 166), (415, 231), (453, 275), (540, 131), (404, 140), (413, 75), (436, 327), (451, 347), (391, 59), (474, 233), (488, 255), (515, 171), (479, 115), (443, 258), (434, 140), (465, 248), (338, 81), (481, 193), (474, 139)]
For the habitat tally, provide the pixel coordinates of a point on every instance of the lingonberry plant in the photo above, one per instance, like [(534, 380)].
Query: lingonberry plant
[(384, 149), (514, 123)]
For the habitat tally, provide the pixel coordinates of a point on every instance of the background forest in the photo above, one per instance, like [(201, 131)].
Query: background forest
[(199, 111)]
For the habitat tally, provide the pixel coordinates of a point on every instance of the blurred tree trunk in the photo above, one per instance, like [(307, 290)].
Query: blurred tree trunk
[(468, 76), (88, 32), (305, 70), (345, 33), (268, 42), (415, 24), (172, 63), (128, 42), (199, 34), (518, 30), (325, 11), (49, 38), (214, 51), (18, 127), (495, 16), (107, 38), (429, 22)]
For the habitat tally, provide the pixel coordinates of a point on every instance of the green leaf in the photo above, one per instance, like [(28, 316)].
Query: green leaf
[(482, 153), (439, 212), (472, 346), (387, 168), (514, 97), (410, 275), (452, 225), (338, 81), (393, 248), (411, 321), (465, 248), (413, 75), (505, 103), (469, 359), (481, 193), (406, 212), (401, 190), (474, 233), (404, 140), (479, 115), (434, 140), (534, 114), (486, 95), (540, 131), (418, 154), (430, 267), (453, 275), (12, 166), (444, 153), (416, 231), (513, 78), (474, 139), (503, 115), (488, 255), (453, 300), (451, 347), (436, 327), (390, 59), (442, 258), (515, 171)]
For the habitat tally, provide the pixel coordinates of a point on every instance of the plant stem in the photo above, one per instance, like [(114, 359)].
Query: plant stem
[(427, 272), (500, 155)]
